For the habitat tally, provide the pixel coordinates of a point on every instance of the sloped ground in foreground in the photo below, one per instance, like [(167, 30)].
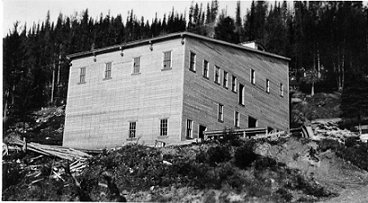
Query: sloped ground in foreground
[(319, 161), (225, 171)]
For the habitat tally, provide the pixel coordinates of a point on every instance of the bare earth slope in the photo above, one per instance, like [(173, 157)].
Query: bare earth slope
[(326, 168)]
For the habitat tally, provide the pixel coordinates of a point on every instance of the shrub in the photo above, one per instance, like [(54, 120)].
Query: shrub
[(229, 137), (356, 154), (244, 155), (265, 162), (12, 174), (287, 196), (218, 154), (351, 141), (311, 187), (326, 144), (201, 156)]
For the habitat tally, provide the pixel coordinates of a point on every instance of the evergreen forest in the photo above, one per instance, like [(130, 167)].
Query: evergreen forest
[(327, 42)]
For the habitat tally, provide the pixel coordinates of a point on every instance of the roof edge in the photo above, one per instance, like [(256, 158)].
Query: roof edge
[(165, 37)]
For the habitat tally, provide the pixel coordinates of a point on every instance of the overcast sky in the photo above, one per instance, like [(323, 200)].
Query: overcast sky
[(34, 11)]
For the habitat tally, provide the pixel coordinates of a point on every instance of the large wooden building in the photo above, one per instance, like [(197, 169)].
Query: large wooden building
[(172, 88)]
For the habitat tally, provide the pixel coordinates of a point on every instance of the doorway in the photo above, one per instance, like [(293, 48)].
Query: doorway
[(201, 131), (252, 122)]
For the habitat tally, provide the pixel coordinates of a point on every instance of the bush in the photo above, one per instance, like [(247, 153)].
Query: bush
[(244, 155), (228, 137), (265, 162), (311, 187), (218, 154), (287, 196), (326, 144), (12, 174), (351, 141), (356, 154), (354, 151)]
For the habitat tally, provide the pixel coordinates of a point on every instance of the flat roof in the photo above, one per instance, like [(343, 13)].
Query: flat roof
[(167, 37)]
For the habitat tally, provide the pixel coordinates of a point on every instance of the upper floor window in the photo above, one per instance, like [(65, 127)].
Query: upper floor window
[(236, 119), (252, 76), (281, 89), (217, 75), (233, 84), (205, 69), (226, 82), (192, 65), (241, 94), (163, 127), (132, 129), (82, 75), (108, 70), (267, 86), (167, 60), (136, 65), (221, 112)]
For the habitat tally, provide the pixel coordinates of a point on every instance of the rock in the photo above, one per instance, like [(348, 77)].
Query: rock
[(296, 100), (262, 149)]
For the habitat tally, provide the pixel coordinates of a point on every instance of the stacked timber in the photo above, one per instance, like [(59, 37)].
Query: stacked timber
[(51, 150)]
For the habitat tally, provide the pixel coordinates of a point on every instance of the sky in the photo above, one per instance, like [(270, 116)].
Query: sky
[(34, 11)]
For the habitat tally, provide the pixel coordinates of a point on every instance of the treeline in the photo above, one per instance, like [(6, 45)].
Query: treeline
[(326, 38)]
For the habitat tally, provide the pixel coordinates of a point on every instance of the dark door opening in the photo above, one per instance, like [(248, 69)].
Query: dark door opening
[(252, 122), (201, 131)]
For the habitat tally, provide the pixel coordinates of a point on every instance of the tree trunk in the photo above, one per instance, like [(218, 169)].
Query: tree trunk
[(318, 65), (312, 89), (13, 95), (58, 72), (5, 110), (52, 84)]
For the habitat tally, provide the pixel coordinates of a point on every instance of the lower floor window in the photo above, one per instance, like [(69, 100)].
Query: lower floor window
[(163, 127), (236, 119), (189, 128), (132, 129)]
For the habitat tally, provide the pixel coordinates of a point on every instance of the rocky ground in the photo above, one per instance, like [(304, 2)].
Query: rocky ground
[(289, 169)]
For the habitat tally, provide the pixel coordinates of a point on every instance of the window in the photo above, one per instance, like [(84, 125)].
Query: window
[(163, 127), (241, 94), (226, 83), (252, 76), (267, 86), (221, 112), (236, 119), (281, 89), (252, 122), (82, 76), (217, 75), (108, 70), (167, 60), (233, 84), (205, 69), (189, 129), (132, 129), (136, 65), (192, 65)]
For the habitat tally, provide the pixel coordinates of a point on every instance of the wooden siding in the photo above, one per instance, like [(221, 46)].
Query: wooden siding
[(202, 96), (99, 111)]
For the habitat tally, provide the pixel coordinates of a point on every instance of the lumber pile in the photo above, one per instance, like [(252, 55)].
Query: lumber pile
[(51, 150), (328, 128), (272, 135)]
